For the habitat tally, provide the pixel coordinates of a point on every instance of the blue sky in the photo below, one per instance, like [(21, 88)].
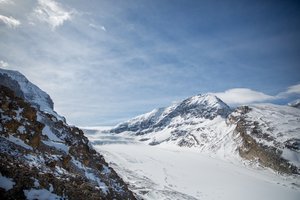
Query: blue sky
[(103, 62)]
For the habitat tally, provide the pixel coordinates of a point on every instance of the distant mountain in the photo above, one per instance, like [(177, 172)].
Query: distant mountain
[(41, 156), (295, 104), (197, 107), (267, 134)]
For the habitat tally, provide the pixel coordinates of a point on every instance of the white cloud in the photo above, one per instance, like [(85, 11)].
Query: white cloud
[(6, 2), (3, 64), (97, 27), (294, 89), (243, 95), (246, 95), (52, 13), (10, 21), (93, 26), (103, 28)]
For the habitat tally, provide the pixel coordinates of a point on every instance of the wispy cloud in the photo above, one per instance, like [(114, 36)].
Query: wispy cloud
[(52, 13), (294, 89), (6, 2), (10, 21), (96, 27), (3, 64), (291, 90)]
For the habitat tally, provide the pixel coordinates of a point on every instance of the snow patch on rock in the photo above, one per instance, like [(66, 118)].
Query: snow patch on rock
[(6, 183)]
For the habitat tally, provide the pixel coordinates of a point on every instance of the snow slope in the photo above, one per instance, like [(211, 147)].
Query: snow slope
[(172, 172)]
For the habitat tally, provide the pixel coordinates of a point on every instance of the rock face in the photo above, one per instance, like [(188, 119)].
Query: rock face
[(267, 134), (45, 158), (270, 135)]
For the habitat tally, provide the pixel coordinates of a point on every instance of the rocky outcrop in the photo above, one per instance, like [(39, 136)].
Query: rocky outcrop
[(43, 155), (258, 145)]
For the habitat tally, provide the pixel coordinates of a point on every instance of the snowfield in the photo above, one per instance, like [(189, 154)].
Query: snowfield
[(171, 172)]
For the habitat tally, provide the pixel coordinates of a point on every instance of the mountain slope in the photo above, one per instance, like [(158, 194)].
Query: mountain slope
[(41, 156), (267, 134)]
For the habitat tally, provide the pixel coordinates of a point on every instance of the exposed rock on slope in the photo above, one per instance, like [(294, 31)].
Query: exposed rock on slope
[(43, 157), (269, 134)]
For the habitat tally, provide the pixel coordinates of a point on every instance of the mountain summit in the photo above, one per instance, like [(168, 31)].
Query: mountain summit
[(203, 106)]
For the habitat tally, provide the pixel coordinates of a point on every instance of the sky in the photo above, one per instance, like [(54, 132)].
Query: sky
[(106, 61)]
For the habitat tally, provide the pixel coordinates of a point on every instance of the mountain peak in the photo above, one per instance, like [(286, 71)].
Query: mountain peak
[(23, 88), (202, 106), (208, 99)]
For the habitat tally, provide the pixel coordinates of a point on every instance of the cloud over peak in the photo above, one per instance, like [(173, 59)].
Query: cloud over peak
[(52, 13), (10, 21), (243, 95)]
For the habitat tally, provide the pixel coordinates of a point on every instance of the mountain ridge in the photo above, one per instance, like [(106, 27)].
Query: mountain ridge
[(200, 106)]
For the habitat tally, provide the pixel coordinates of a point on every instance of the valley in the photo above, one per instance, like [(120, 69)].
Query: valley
[(172, 172)]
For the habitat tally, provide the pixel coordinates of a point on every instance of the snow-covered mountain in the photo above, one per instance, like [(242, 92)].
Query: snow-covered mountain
[(198, 121), (41, 156), (267, 134), (197, 107)]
